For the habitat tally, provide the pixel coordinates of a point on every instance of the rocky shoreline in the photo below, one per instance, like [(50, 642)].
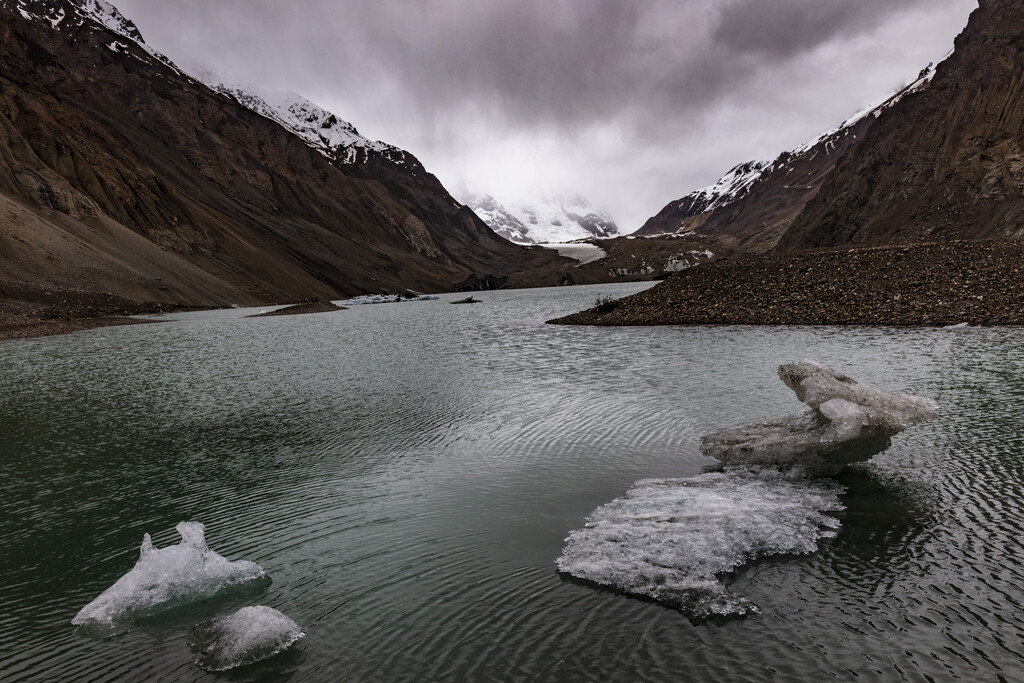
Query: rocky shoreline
[(978, 282), (24, 315)]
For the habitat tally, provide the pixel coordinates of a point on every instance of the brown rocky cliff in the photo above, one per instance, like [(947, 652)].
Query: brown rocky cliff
[(150, 186), (945, 163)]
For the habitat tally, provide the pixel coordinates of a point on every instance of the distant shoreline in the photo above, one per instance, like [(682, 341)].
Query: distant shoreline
[(27, 328), (26, 321), (978, 282)]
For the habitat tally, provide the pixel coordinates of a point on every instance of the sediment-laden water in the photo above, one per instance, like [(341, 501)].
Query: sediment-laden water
[(408, 474)]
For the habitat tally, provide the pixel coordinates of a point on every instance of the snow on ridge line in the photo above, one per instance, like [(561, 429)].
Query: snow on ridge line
[(922, 82), (334, 137), (730, 186), (99, 12)]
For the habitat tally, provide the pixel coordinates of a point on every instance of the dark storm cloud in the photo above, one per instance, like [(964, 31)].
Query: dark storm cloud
[(779, 29), (560, 62), (634, 102)]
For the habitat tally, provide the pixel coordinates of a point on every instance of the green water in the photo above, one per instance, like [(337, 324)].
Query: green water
[(407, 474)]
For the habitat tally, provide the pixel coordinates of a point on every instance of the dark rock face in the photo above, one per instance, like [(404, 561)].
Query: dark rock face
[(750, 208), (120, 174), (480, 284), (945, 163)]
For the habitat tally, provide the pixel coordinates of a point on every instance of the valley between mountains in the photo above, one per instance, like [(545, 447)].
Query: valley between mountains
[(129, 186)]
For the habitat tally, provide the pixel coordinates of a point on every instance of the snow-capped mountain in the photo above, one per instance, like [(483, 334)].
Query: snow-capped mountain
[(335, 138), (548, 219), (158, 188), (751, 206)]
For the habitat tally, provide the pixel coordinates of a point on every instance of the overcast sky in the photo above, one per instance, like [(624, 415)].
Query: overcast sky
[(632, 103)]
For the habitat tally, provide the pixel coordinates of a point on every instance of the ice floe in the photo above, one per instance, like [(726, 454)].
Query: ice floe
[(246, 636), (677, 541), (672, 540), (387, 299), (169, 577), (848, 422)]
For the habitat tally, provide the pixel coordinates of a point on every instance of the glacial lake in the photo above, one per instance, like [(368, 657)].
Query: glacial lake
[(408, 474)]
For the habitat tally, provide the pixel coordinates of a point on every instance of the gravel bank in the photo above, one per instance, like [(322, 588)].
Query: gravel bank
[(977, 282)]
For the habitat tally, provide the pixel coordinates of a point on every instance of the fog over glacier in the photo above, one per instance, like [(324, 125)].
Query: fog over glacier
[(630, 103)]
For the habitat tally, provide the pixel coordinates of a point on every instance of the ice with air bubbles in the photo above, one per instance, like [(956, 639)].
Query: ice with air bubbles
[(846, 422), (244, 637), (678, 541), (164, 578), (671, 540)]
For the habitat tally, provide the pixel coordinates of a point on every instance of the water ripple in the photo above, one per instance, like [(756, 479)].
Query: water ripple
[(408, 473)]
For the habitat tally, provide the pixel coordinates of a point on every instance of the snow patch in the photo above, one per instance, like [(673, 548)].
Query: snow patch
[(728, 187)]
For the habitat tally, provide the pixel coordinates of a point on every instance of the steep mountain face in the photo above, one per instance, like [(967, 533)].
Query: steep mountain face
[(544, 220), (947, 163), (751, 206), (121, 175)]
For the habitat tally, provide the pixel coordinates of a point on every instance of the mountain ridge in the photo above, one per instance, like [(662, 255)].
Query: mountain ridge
[(946, 164), (122, 176), (752, 205)]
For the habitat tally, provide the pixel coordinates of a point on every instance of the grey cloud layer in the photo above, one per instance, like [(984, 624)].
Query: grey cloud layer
[(633, 101), (560, 62)]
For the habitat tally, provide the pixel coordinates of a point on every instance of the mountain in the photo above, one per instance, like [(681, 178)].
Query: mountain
[(124, 179), (547, 219), (751, 206), (945, 164)]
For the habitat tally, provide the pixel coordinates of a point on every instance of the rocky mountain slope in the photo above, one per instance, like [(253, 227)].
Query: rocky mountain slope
[(751, 206), (124, 180), (947, 163), (547, 219)]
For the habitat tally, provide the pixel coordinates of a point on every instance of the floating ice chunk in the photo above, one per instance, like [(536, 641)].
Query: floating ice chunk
[(247, 636), (387, 299), (847, 422), (164, 578), (672, 540)]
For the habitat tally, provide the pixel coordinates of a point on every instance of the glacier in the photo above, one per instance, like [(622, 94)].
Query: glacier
[(246, 636), (164, 578)]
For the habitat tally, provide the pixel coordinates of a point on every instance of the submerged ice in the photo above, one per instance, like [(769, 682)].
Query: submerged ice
[(847, 422), (672, 540), (164, 578), (246, 636)]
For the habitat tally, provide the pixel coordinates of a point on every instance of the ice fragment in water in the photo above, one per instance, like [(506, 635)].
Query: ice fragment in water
[(847, 422), (247, 636), (672, 540), (164, 578)]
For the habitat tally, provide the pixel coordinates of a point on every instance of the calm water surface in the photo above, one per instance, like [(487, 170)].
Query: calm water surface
[(407, 473)]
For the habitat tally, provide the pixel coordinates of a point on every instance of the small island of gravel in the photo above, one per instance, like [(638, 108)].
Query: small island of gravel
[(928, 284), (300, 309)]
